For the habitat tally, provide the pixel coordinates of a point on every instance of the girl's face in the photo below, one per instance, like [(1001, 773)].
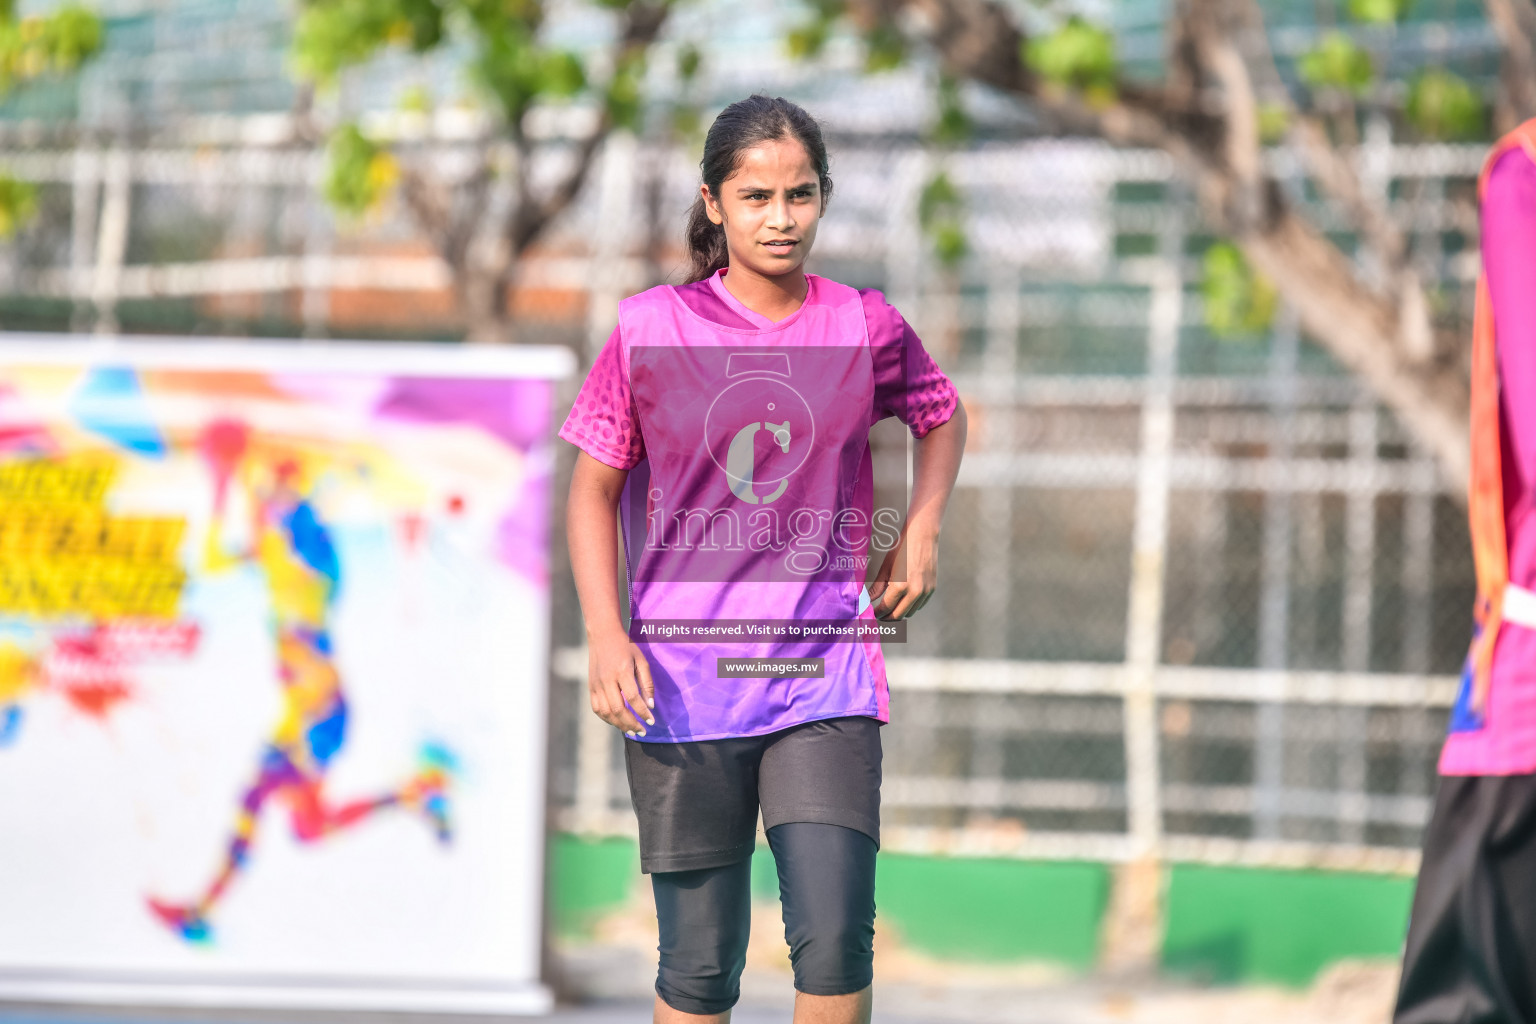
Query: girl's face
[(770, 206)]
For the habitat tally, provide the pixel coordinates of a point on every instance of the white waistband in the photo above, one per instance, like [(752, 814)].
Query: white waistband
[(1519, 606)]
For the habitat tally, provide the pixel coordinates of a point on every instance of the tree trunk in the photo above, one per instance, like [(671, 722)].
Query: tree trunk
[(483, 296), (1515, 23), (1366, 334)]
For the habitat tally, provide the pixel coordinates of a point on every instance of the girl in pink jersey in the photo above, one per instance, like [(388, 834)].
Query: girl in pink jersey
[(726, 426)]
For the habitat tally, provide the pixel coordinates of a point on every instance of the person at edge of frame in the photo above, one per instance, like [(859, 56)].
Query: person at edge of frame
[(704, 754), (1470, 957)]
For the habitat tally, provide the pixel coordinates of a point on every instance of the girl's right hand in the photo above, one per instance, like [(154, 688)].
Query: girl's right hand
[(619, 683)]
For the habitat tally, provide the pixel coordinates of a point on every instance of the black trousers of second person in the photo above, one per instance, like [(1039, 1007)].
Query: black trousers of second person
[(1471, 951)]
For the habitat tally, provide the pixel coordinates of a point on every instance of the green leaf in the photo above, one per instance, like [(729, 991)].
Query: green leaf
[(1079, 55), (885, 49), (515, 70), (421, 21), (687, 121), (1445, 108), (1337, 63), (1378, 12), (360, 172), (330, 35), (561, 74), (941, 214), (12, 47), (508, 67), (47, 44), (525, 16), (939, 198), (18, 204), (70, 35), (1238, 301), (953, 125), (950, 243), (807, 40), (416, 99), (1274, 122), (623, 97), (688, 61)]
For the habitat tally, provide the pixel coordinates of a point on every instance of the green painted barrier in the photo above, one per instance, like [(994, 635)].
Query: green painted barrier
[(994, 909), (981, 909), (1244, 924), (1224, 925), (589, 878)]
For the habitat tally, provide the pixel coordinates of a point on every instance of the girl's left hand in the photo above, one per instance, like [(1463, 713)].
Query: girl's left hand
[(918, 552)]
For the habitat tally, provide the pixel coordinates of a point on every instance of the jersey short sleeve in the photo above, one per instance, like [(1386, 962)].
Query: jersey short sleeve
[(603, 421), (908, 383)]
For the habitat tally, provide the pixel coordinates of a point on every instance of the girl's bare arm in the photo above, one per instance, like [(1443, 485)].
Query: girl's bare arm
[(618, 677), (937, 463)]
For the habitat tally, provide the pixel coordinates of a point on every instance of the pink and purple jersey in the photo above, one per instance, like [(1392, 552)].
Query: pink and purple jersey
[(748, 512), (1503, 742)]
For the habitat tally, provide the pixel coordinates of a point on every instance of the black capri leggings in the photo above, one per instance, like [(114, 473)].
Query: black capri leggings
[(827, 887)]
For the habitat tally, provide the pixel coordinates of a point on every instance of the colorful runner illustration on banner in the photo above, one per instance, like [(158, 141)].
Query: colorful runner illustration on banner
[(292, 548), (143, 511)]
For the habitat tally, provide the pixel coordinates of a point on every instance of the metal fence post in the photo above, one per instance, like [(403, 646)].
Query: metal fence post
[(1359, 601), (594, 743), (319, 238), (994, 534), (85, 193), (112, 239), (904, 242), (1133, 930), (994, 541), (615, 198), (1418, 569), (1275, 575)]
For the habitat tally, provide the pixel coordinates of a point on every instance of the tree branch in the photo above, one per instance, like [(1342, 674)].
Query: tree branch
[(1204, 115), (531, 216), (642, 24), (1211, 64), (1515, 23), (978, 40), (449, 214), (1335, 176), (1362, 330)]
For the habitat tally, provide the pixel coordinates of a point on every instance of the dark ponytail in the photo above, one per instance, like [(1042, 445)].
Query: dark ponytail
[(706, 242), (740, 126)]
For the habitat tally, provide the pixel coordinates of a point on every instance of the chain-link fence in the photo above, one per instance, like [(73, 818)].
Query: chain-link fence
[(1198, 596)]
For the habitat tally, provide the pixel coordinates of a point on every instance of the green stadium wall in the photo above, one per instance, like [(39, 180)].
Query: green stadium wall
[(1224, 925)]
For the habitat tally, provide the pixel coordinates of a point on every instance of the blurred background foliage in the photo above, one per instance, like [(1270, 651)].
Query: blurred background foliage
[(35, 46), (373, 84)]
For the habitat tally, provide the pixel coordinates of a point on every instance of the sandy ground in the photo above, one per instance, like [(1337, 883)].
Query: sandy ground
[(607, 978), (909, 990), (612, 974)]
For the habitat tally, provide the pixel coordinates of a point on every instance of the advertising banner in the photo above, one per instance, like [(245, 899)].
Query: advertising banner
[(273, 644)]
